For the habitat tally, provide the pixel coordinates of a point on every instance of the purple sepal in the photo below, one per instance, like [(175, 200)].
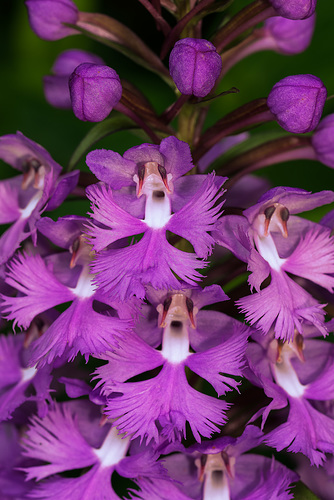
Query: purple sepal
[(16, 379), (297, 102), (323, 139), (56, 88), (294, 199), (117, 171), (95, 90), (195, 66), (291, 36), (300, 9), (186, 187), (47, 18), (16, 149), (56, 91), (246, 191), (63, 187), (75, 388), (64, 231), (232, 232), (328, 220), (219, 149)]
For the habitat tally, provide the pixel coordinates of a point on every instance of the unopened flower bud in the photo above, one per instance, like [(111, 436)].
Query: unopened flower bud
[(290, 36), (297, 102), (95, 90), (294, 9), (56, 88), (47, 18), (323, 141), (195, 66)]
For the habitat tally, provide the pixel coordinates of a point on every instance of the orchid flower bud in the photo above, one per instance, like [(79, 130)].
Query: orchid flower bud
[(323, 141), (95, 90), (294, 9), (290, 36), (297, 102), (195, 66), (56, 88), (47, 18)]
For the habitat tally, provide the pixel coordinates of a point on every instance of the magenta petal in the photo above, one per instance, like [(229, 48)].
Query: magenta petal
[(306, 430), (123, 272), (78, 329), (227, 358), (56, 439), (93, 485), (286, 305), (30, 276), (198, 217), (159, 490), (168, 399), (132, 357), (9, 200), (313, 258), (119, 223)]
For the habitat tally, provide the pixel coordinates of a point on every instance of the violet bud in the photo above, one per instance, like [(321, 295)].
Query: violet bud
[(56, 88), (95, 90), (294, 9), (46, 18), (323, 141), (194, 65), (297, 102), (290, 36)]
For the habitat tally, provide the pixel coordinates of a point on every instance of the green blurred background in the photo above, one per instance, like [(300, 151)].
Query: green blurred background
[(26, 58)]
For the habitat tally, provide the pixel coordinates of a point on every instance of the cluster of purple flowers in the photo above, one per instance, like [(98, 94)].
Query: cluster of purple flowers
[(128, 379)]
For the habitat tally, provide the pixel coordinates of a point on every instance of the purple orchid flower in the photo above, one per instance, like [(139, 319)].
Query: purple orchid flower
[(262, 239), (24, 198), (167, 401), (221, 469), (59, 279), (18, 382), (296, 374), (123, 272), (70, 438)]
